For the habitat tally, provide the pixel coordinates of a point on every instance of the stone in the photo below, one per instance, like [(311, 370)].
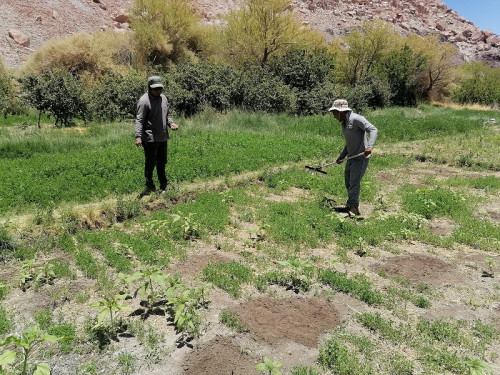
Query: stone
[(19, 37)]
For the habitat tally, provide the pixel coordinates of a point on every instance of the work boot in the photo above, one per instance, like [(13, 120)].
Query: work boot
[(353, 211), (343, 209), (145, 192)]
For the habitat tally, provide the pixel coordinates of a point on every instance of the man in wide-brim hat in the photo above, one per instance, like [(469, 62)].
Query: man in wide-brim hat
[(355, 129)]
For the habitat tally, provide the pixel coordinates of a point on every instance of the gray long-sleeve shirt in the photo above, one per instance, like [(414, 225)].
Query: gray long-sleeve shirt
[(153, 118), (355, 128)]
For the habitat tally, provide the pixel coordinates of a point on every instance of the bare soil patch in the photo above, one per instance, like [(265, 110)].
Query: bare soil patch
[(301, 320), (221, 355), (422, 269)]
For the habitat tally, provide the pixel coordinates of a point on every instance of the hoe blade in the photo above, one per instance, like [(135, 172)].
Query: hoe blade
[(316, 169)]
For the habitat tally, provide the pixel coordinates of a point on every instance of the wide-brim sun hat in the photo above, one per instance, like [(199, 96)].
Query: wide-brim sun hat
[(340, 105), (154, 82)]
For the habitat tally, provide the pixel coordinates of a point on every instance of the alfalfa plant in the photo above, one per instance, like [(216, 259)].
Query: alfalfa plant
[(269, 367), (27, 341)]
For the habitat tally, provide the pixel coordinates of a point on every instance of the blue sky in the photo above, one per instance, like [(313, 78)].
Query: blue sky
[(485, 14)]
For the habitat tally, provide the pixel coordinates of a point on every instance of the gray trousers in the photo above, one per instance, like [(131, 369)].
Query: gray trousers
[(354, 171)]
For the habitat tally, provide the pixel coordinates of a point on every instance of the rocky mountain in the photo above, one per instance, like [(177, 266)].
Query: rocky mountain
[(26, 24)]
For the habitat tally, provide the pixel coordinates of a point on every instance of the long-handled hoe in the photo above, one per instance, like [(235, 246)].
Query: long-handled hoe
[(319, 168)]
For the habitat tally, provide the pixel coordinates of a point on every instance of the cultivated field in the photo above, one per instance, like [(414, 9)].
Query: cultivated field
[(244, 262)]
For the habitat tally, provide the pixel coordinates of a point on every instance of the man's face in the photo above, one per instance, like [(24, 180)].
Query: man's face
[(340, 116), (156, 91)]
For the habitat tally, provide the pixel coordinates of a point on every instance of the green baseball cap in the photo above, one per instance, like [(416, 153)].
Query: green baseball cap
[(154, 82)]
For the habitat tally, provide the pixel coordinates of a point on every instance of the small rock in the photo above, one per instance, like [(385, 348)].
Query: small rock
[(19, 37)]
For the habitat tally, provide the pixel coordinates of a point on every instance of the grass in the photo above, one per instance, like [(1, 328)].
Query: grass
[(228, 276), (275, 227)]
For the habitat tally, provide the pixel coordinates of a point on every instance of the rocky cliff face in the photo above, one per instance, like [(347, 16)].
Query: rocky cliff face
[(27, 24)]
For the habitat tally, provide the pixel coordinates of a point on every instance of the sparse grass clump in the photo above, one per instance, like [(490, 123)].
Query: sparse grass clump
[(358, 287), (228, 276)]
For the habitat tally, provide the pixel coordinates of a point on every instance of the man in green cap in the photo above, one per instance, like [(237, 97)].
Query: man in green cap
[(151, 132)]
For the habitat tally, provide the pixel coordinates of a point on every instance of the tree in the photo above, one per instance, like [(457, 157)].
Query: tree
[(402, 68), (358, 52), (442, 62), (481, 84), (58, 93), (166, 31), (261, 29)]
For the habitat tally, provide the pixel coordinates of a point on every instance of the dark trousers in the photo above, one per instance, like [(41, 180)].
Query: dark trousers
[(155, 154), (354, 172)]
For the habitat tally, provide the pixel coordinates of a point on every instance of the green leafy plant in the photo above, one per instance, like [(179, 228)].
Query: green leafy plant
[(27, 341), (110, 306), (190, 229), (269, 366), (152, 284)]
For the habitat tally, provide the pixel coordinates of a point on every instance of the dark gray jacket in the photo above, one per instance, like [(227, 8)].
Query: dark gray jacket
[(153, 118), (355, 128)]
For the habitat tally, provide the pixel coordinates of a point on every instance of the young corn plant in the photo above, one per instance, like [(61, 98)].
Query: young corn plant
[(27, 341)]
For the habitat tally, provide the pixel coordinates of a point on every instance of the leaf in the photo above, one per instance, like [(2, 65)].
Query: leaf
[(261, 367), (50, 338), (42, 369), (7, 357)]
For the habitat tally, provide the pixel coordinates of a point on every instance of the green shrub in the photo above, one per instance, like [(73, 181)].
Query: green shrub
[(115, 96), (263, 91), (6, 89)]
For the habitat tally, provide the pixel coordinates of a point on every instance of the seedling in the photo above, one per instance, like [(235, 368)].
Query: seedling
[(108, 307), (29, 274), (27, 341), (270, 367)]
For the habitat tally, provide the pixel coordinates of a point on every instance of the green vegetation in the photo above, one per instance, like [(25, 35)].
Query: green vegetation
[(228, 276), (247, 218)]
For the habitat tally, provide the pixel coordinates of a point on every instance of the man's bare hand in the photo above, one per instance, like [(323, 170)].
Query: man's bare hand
[(138, 142), (368, 151), (174, 126)]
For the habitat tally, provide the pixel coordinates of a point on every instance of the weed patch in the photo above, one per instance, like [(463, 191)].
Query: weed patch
[(228, 276)]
